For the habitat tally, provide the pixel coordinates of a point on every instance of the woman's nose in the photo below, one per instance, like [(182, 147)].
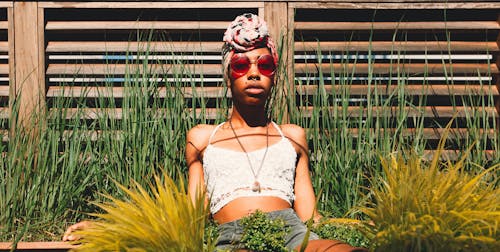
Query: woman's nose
[(253, 72)]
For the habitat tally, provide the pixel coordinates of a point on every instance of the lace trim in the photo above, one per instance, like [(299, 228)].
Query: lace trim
[(228, 176)]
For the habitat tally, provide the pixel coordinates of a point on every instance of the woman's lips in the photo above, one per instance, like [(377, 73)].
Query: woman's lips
[(254, 89)]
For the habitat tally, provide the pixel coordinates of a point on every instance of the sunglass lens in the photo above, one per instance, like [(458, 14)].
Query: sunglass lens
[(240, 64), (266, 65)]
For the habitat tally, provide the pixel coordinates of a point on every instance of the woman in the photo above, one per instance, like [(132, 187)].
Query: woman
[(249, 163)]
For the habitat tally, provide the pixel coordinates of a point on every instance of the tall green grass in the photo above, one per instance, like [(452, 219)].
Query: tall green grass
[(47, 184)]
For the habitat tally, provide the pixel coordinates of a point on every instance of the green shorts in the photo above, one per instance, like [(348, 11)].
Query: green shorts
[(230, 233)]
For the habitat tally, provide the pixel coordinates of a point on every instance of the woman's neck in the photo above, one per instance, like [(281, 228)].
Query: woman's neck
[(249, 116)]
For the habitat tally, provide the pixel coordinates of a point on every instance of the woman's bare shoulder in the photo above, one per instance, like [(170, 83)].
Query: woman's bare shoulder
[(200, 134), (292, 130), (295, 133)]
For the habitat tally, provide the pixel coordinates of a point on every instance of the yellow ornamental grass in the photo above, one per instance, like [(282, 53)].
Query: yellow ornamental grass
[(164, 219), (436, 206)]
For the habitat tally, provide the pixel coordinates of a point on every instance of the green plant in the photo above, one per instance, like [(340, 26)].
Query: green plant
[(165, 220), (346, 230), (436, 206), (261, 233)]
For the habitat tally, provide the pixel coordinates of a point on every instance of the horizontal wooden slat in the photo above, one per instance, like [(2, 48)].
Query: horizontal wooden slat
[(409, 89), (4, 24), (430, 111), (127, 25), (211, 113), (89, 69), (427, 133), (4, 90), (351, 26), (152, 4), (120, 92), (408, 68), (36, 246), (214, 92), (429, 46), (4, 46), (116, 113), (215, 69), (4, 68), (100, 46), (453, 155), (395, 4), (403, 46)]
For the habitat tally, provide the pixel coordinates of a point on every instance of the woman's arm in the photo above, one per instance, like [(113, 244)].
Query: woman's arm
[(305, 200), (196, 141)]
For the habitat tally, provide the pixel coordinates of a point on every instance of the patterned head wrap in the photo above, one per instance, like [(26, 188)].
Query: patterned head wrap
[(247, 32)]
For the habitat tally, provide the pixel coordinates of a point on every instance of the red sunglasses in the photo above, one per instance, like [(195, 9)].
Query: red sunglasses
[(240, 64)]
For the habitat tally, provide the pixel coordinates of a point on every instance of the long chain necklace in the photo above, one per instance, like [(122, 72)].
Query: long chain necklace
[(256, 185)]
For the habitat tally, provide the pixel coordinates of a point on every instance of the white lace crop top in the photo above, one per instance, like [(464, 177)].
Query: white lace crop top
[(228, 175)]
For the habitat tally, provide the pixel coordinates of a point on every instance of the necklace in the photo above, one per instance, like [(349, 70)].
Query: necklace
[(256, 185)]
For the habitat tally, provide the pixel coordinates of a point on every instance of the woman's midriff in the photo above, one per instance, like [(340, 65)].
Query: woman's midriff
[(244, 206)]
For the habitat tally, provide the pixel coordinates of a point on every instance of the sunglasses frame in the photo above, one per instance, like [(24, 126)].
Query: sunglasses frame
[(235, 73)]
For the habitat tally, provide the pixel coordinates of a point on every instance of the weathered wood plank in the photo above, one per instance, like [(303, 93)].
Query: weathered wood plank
[(427, 133), (110, 46), (120, 92), (345, 4), (457, 25), (4, 90), (28, 72), (409, 89), (117, 113), (52, 246), (408, 68), (429, 46), (429, 111), (211, 113), (403, 46), (4, 69), (215, 92), (6, 4), (4, 24), (4, 46), (215, 69), (100, 69), (132, 25), (142, 4)]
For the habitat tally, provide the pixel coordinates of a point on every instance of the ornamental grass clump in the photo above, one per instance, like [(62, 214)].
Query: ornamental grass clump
[(436, 206), (163, 220)]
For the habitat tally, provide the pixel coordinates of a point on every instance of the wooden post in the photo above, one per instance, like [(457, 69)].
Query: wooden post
[(28, 62), (12, 72), (276, 16)]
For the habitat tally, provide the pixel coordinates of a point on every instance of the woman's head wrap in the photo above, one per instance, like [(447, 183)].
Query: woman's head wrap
[(247, 32)]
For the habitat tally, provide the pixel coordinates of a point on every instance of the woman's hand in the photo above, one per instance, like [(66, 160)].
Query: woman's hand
[(78, 226)]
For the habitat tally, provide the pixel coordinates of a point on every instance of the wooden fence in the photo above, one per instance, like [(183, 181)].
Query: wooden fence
[(52, 49)]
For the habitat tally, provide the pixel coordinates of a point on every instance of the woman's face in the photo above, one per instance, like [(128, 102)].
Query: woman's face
[(252, 87)]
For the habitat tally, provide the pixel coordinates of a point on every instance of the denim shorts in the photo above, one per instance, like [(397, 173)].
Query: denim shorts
[(230, 233)]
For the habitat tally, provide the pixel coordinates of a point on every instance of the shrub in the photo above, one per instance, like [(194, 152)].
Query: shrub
[(346, 230), (164, 220), (436, 206), (262, 234)]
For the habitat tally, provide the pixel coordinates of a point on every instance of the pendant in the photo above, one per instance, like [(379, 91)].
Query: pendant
[(256, 186)]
